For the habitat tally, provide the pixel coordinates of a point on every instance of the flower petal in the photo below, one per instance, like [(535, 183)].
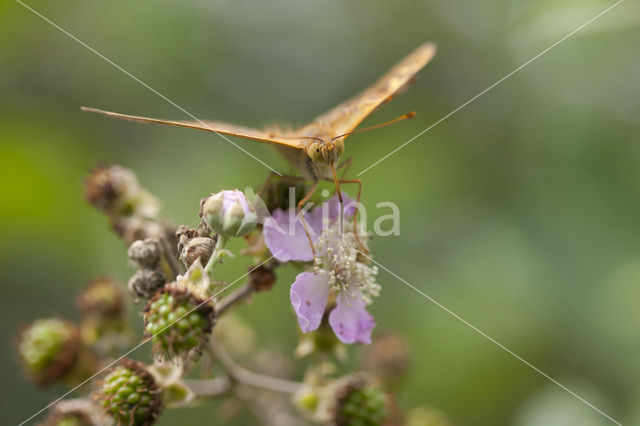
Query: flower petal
[(350, 320), (283, 244), (309, 294)]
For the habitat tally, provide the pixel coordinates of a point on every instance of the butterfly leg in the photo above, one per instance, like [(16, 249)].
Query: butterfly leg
[(304, 221)]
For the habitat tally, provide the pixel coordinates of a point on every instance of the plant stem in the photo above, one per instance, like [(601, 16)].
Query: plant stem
[(242, 375), (217, 253), (235, 297), (209, 388)]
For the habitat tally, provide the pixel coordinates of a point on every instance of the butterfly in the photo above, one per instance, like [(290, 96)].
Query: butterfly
[(315, 149)]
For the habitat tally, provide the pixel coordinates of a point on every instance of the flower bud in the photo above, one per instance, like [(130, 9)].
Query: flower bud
[(178, 320), (145, 282), (145, 253), (129, 394), (49, 349), (102, 297), (228, 213)]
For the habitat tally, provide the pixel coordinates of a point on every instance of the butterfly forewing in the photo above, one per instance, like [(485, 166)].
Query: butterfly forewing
[(348, 115), (209, 126)]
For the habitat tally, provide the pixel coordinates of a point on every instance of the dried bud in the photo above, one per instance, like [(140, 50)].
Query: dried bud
[(145, 282), (49, 349), (102, 297), (228, 213), (75, 412), (112, 190), (129, 394), (387, 358), (145, 252), (262, 278), (179, 321)]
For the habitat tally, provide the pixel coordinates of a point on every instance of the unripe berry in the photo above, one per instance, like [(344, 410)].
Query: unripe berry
[(359, 403), (178, 320), (49, 349), (129, 394)]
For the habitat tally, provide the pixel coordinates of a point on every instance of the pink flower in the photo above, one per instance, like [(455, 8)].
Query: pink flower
[(353, 282)]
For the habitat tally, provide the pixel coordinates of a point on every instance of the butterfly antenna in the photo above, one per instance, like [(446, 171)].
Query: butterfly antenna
[(377, 126)]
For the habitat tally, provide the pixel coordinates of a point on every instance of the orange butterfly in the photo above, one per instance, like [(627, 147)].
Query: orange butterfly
[(316, 148)]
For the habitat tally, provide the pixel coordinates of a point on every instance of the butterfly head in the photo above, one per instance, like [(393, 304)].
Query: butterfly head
[(327, 152)]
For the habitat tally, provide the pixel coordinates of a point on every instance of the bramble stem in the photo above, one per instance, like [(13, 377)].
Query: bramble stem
[(240, 374), (216, 255), (235, 297), (209, 388)]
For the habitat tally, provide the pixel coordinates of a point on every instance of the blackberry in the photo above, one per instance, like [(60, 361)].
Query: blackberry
[(358, 403), (129, 394), (49, 349), (178, 321)]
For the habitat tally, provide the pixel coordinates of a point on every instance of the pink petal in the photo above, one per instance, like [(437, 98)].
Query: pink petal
[(350, 320), (309, 294), (284, 245)]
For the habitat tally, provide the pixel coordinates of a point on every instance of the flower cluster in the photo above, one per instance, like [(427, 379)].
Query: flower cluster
[(188, 314)]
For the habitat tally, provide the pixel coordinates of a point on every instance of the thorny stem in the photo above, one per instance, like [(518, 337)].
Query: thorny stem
[(235, 297), (242, 375), (216, 255)]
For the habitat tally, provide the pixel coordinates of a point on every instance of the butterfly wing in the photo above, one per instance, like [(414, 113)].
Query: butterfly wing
[(211, 126), (348, 115)]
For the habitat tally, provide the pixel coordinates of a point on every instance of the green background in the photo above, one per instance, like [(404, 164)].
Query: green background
[(520, 213)]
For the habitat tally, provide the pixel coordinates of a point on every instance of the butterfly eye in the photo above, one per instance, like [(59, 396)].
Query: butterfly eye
[(314, 151)]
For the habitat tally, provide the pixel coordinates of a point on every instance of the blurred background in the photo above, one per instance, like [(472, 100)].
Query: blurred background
[(519, 213)]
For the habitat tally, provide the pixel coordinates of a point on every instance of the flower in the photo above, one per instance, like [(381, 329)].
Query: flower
[(338, 271), (229, 213)]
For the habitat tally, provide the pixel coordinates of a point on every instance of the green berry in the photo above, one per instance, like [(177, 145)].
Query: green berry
[(365, 406), (130, 395), (48, 349), (178, 321)]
